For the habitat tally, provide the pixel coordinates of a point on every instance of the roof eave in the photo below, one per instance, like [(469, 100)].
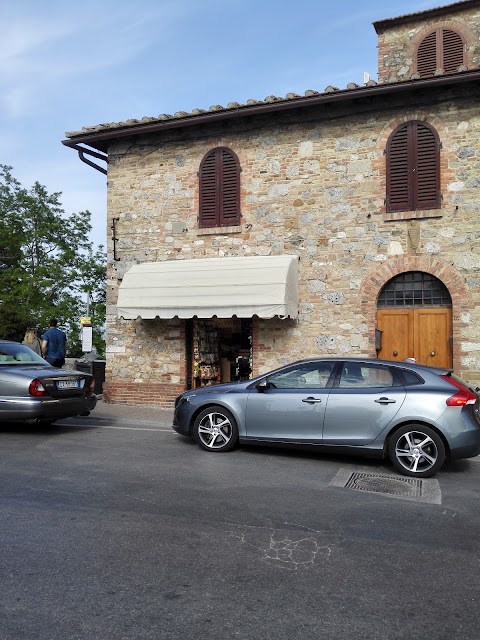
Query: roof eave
[(99, 139), (380, 25)]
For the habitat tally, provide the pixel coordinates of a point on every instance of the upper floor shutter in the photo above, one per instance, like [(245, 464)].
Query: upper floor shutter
[(230, 189), (427, 55), (208, 191), (426, 167), (399, 174), (219, 189), (452, 48), (441, 49), (413, 168)]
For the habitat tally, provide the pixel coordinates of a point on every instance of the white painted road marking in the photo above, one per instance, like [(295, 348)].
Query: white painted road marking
[(98, 426)]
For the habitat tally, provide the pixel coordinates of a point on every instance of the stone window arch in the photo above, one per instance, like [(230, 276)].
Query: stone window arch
[(414, 289)]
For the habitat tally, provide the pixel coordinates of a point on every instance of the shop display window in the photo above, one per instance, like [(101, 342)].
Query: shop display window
[(221, 351)]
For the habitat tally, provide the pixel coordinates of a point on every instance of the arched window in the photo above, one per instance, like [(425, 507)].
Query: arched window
[(219, 189), (441, 49), (414, 289), (413, 168)]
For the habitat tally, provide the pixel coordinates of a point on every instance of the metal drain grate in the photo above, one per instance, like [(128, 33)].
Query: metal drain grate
[(385, 484), (393, 486)]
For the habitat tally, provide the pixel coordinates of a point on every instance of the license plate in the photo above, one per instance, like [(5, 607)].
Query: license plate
[(67, 384)]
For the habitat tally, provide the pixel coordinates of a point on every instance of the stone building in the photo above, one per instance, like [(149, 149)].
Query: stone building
[(342, 222)]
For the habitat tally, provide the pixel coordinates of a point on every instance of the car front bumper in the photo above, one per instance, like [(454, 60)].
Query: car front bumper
[(182, 417)]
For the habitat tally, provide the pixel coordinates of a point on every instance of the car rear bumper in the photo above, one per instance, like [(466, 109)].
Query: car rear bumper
[(34, 409), (464, 442), (466, 446)]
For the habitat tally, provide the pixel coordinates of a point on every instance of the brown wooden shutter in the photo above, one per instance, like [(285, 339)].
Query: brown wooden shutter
[(399, 174), (230, 190), (219, 189), (413, 168), (452, 50), (426, 167), (208, 191), (441, 49), (427, 55)]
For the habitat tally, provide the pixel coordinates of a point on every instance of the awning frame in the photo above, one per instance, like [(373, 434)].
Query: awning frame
[(241, 286)]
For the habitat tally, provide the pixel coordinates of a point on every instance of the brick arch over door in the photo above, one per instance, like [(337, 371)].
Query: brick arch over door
[(372, 285)]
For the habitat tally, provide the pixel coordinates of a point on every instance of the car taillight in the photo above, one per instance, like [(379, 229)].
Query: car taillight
[(91, 386), (36, 388), (463, 396)]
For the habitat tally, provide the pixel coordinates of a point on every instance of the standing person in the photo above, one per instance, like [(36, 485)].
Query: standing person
[(54, 345), (31, 340)]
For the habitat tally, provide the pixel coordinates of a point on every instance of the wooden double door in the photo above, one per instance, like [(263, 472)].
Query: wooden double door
[(422, 333)]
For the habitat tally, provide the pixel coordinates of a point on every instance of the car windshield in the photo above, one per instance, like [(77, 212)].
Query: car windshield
[(18, 354)]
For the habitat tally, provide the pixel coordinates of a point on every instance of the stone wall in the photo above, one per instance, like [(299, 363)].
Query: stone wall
[(397, 45), (314, 189)]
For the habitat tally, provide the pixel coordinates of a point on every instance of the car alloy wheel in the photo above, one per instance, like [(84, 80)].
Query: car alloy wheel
[(215, 429), (417, 451)]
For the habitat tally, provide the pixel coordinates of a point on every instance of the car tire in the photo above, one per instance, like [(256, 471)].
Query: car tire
[(416, 451), (215, 429)]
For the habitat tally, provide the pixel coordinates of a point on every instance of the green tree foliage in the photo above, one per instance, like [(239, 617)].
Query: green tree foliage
[(47, 265)]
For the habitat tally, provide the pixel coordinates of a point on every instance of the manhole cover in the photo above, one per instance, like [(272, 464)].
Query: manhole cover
[(385, 484)]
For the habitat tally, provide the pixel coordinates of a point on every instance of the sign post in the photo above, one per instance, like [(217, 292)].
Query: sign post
[(87, 334)]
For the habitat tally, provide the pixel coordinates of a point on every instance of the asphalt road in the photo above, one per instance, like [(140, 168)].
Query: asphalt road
[(114, 527)]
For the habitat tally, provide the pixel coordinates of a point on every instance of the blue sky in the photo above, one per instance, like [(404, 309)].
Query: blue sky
[(65, 64)]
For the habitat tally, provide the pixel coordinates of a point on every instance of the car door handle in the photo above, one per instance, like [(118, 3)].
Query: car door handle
[(311, 400), (385, 401)]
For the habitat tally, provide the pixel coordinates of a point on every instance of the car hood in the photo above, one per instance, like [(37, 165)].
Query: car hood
[(227, 387)]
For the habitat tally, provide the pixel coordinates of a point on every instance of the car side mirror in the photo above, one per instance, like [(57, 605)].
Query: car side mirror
[(263, 385)]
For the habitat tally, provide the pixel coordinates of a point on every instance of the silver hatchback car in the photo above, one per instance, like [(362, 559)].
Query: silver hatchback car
[(415, 415)]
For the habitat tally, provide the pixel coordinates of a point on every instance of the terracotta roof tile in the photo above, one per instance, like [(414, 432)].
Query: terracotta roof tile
[(426, 13), (310, 93)]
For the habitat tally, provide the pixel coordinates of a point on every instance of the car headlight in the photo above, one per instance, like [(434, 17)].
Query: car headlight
[(183, 398)]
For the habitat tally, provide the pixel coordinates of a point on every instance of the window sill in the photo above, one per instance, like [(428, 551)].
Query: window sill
[(210, 231), (413, 215)]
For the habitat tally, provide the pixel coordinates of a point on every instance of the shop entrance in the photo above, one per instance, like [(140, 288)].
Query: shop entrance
[(220, 351)]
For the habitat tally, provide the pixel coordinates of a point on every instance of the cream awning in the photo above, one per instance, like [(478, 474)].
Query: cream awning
[(265, 286)]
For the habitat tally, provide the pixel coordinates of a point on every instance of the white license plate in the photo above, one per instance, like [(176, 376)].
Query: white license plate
[(67, 384)]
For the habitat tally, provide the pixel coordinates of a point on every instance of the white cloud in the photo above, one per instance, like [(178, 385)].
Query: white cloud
[(40, 50), (16, 101)]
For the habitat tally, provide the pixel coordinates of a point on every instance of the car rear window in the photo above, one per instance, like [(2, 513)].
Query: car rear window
[(18, 354), (411, 378)]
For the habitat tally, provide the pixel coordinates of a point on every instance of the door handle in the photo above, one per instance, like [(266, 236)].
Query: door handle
[(385, 401), (311, 400)]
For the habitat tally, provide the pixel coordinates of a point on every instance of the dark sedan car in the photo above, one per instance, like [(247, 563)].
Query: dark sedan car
[(415, 415), (31, 390)]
